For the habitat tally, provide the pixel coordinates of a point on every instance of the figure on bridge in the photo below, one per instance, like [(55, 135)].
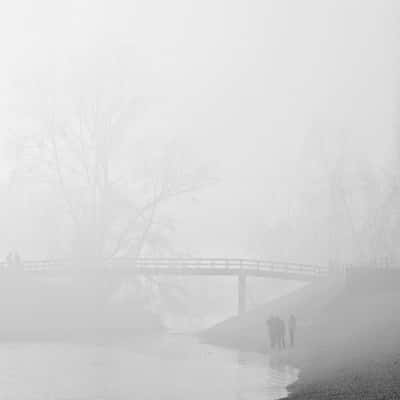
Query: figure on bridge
[(9, 260), (13, 260)]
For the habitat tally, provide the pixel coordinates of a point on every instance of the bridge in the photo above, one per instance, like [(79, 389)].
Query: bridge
[(125, 267)]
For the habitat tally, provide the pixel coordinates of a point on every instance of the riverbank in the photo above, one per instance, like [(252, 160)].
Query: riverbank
[(354, 350), (68, 309), (375, 379), (248, 332), (348, 340)]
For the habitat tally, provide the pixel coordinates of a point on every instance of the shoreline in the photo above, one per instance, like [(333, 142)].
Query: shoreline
[(348, 345), (376, 379), (365, 379)]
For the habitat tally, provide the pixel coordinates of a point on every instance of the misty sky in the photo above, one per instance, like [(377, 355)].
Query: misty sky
[(249, 84)]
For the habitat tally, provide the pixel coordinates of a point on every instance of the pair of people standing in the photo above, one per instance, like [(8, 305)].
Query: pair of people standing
[(277, 332)]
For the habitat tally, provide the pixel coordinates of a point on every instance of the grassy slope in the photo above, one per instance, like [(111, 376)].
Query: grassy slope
[(248, 332), (353, 350)]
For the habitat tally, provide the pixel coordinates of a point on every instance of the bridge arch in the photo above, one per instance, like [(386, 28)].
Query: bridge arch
[(238, 267)]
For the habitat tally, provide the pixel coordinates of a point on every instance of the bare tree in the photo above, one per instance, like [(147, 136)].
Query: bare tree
[(112, 179)]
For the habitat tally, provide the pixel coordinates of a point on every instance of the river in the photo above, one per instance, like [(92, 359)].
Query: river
[(164, 367)]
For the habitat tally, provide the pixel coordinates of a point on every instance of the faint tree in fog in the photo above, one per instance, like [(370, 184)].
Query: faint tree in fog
[(113, 180), (363, 198)]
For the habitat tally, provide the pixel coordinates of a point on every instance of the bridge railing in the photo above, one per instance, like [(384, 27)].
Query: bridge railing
[(220, 263), (250, 265)]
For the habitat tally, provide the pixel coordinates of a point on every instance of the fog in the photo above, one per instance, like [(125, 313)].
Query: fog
[(270, 97), (259, 130)]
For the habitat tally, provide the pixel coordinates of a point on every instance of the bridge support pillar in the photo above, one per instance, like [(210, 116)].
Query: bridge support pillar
[(241, 293)]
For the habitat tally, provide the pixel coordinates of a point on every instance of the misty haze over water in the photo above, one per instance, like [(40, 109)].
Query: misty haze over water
[(173, 367), (169, 167)]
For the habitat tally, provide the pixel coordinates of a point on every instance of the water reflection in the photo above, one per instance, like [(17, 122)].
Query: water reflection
[(258, 378), (167, 367)]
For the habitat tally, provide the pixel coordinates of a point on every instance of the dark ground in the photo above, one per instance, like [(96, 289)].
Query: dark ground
[(372, 380)]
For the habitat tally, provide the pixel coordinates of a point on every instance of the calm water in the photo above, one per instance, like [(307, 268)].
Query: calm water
[(170, 367)]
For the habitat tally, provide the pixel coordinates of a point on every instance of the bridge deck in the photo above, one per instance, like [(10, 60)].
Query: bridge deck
[(181, 266)]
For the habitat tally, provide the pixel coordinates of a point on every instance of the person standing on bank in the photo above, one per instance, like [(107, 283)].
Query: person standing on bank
[(292, 329), (272, 332), (282, 333)]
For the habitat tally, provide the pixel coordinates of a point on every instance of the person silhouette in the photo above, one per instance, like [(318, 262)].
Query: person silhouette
[(292, 329), (271, 332), (282, 333)]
